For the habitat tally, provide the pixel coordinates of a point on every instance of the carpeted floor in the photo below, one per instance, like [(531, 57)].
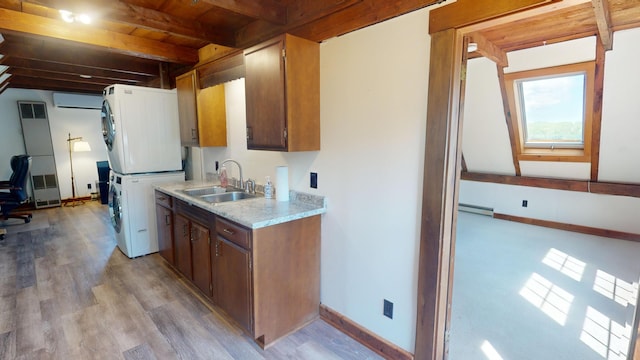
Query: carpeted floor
[(527, 292)]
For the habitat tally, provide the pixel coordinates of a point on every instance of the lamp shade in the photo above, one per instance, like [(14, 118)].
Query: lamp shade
[(81, 146)]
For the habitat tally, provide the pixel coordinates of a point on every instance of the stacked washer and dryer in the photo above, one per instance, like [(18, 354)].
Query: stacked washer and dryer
[(141, 130)]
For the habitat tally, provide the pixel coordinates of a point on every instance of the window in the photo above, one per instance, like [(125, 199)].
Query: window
[(551, 111)]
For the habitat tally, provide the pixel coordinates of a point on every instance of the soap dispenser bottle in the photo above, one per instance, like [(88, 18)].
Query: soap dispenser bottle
[(268, 189), (224, 181)]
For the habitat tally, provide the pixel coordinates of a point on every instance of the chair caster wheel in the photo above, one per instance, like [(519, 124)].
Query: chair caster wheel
[(27, 220)]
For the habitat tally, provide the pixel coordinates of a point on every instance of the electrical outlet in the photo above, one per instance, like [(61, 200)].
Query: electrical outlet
[(89, 186), (314, 180), (388, 309), (525, 203)]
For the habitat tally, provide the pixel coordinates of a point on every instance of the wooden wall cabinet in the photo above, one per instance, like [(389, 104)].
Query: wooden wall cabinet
[(202, 112), (282, 89)]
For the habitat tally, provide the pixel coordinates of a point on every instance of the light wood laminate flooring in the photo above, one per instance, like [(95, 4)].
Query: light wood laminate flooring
[(67, 292)]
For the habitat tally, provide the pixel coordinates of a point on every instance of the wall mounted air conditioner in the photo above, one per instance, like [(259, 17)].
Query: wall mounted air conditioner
[(77, 101)]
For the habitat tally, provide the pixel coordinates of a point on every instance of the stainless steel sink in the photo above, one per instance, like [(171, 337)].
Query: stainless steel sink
[(204, 191), (228, 196)]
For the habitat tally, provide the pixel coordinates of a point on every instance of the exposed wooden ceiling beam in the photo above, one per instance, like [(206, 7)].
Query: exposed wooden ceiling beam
[(305, 11), (42, 74), (301, 16), (137, 16), (329, 21), (603, 20), (467, 12), (549, 8), (56, 52), (72, 69), (116, 42), (54, 85), (489, 50), (267, 10), (6, 81)]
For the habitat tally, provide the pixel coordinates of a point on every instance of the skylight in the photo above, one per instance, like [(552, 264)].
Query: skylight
[(552, 110)]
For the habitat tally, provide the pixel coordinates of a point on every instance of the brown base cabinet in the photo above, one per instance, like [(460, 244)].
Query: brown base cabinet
[(286, 278), (267, 279), (164, 221), (182, 246), (194, 235), (232, 272), (200, 257)]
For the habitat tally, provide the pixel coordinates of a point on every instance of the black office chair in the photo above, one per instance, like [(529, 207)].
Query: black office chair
[(17, 186)]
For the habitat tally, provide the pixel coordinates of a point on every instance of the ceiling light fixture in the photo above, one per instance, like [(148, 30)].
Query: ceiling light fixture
[(70, 17), (84, 18), (472, 47), (66, 15)]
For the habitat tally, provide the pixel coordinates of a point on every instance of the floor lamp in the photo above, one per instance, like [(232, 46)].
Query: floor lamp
[(75, 145)]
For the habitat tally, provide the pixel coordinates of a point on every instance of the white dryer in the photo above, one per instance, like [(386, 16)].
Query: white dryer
[(141, 129), (133, 212)]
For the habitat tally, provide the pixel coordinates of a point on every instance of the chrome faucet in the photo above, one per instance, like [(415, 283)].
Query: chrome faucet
[(239, 170), (250, 186)]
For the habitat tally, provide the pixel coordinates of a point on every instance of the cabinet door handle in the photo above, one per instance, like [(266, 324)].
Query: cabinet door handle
[(184, 230), (217, 248), (193, 134), (227, 231), (162, 198), (166, 220)]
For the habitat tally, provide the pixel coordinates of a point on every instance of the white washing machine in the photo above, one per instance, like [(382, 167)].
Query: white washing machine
[(133, 212), (141, 129)]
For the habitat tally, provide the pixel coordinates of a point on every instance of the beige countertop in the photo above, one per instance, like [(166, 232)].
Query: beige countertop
[(253, 213)]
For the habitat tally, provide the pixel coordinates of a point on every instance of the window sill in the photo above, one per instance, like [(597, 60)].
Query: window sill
[(558, 155)]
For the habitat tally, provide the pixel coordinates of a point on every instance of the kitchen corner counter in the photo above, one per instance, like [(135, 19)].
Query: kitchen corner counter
[(253, 213)]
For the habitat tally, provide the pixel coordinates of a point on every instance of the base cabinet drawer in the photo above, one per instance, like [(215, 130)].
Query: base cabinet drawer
[(233, 232)]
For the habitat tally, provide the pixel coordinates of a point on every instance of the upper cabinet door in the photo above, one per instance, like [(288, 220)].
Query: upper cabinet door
[(282, 89), (186, 85), (202, 112), (265, 96)]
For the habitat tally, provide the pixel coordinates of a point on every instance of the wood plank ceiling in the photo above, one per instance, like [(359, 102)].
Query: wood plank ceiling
[(135, 41)]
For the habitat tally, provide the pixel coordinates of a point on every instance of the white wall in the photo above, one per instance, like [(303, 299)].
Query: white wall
[(373, 122), (62, 121), (485, 137), (570, 207), (620, 149), (619, 143)]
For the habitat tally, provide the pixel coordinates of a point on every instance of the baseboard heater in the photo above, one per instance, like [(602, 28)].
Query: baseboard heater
[(481, 210)]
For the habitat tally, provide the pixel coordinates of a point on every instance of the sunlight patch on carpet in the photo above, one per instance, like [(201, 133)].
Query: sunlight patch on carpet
[(548, 297), (564, 263)]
